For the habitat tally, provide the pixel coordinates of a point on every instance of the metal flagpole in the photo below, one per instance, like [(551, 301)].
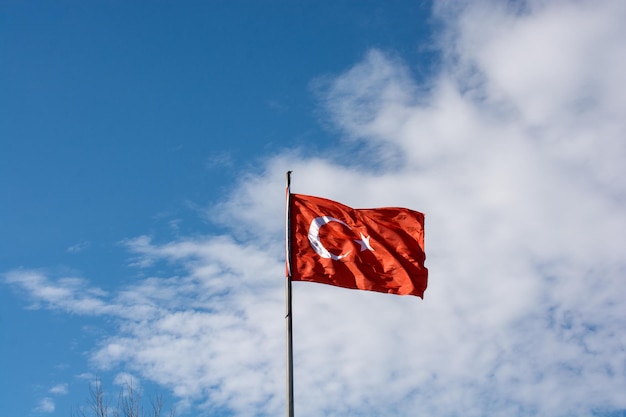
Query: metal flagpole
[(288, 301)]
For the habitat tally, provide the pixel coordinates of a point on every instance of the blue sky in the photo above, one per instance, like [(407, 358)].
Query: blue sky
[(143, 151)]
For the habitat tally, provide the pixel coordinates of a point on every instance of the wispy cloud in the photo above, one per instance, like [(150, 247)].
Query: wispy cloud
[(46, 405), (60, 389), (79, 247), (124, 378), (67, 293), (219, 160), (515, 152)]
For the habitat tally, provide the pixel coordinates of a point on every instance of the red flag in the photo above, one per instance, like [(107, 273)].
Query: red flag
[(378, 249)]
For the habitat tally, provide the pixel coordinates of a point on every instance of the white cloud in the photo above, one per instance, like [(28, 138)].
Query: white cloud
[(60, 389), (124, 378), (79, 247), (514, 152), (67, 293), (46, 405)]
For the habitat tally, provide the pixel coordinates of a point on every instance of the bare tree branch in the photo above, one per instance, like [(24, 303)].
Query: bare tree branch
[(129, 403)]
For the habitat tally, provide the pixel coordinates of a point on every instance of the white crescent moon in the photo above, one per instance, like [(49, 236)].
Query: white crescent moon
[(314, 237)]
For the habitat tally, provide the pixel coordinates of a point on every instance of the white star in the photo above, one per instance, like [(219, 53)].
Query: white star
[(364, 242)]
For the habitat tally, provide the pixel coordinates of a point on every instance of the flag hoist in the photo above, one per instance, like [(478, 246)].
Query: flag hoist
[(380, 249)]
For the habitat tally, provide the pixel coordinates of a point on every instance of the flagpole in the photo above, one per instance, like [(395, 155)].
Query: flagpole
[(288, 316)]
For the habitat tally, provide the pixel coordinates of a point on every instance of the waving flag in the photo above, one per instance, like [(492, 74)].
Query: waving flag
[(378, 249)]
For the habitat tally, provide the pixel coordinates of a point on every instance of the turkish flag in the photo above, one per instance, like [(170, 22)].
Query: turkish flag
[(378, 249)]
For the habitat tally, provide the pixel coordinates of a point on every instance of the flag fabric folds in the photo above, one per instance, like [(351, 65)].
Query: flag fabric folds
[(379, 249)]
